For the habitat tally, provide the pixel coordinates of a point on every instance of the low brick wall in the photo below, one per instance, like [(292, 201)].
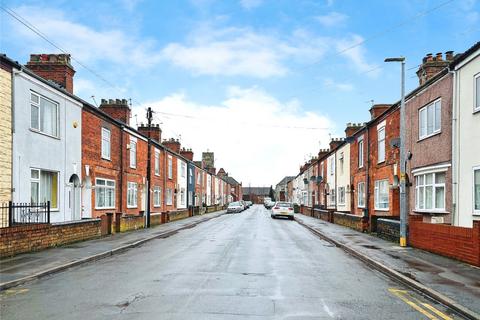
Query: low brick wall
[(324, 215), (308, 211), (350, 220), (388, 229), (455, 242), (178, 215), (35, 237), (128, 223), (158, 218)]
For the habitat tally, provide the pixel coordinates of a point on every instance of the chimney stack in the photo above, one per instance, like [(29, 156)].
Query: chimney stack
[(154, 132), (187, 153), (352, 128), (433, 65), (172, 144), (117, 109), (53, 67), (378, 109), (335, 142), (322, 153)]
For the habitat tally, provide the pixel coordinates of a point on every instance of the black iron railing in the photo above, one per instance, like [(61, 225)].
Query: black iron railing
[(13, 214)]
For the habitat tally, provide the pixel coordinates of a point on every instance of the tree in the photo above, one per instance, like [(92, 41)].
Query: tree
[(271, 194)]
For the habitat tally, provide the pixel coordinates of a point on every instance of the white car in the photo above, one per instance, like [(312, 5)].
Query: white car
[(235, 207), (282, 209)]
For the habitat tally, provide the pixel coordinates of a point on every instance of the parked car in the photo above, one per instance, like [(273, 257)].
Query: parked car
[(282, 209), (245, 206), (269, 204), (235, 207), (249, 203)]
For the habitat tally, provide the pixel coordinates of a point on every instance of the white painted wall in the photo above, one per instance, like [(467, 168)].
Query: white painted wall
[(181, 183), (466, 140), (331, 180), (35, 150), (343, 176)]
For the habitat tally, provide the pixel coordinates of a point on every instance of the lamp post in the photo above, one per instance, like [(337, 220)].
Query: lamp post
[(403, 191)]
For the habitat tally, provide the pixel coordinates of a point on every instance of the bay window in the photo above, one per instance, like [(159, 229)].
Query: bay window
[(430, 191)]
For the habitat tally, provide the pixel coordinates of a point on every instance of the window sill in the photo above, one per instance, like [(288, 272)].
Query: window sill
[(429, 136), (128, 207), (157, 206), (133, 167), (44, 134), (106, 159), (106, 208), (381, 162), (475, 111), (384, 209), (430, 211)]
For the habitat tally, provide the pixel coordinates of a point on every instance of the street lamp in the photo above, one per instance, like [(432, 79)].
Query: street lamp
[(403, 193)]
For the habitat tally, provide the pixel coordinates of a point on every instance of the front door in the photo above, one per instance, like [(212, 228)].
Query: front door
[(75, 199)]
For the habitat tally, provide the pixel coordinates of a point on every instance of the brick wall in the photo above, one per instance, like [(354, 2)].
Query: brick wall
[(455, 242), (27, 238), (5, 141), (178, 215), (349, 220), (388, 229), (128, 223)]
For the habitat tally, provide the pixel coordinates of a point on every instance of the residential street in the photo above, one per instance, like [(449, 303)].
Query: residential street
[(239, 266)]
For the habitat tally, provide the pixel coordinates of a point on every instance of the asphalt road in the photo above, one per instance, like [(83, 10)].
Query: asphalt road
[(238, 266)]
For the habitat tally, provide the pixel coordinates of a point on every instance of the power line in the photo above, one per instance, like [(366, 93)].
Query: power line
[(383, 32)]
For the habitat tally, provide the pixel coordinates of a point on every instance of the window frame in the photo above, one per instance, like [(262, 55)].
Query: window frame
[(39, 120), (168, 197), (476, 104), (341, 195), (182, 197), (384, 154), (434, 186), (377, 196), (104, 130), (39, 189), (435, 131), (170, 167), (476, 168), (183, 169), (135, 197), (133, 142), (157, 192), (360, 153), (361, 196), (157, 162), (104, 187)]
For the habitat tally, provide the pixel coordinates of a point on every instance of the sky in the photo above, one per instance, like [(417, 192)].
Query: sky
[(264, 84)]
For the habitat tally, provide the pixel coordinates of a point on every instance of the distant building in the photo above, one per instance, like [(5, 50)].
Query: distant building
[(256, 194), (281, 192)]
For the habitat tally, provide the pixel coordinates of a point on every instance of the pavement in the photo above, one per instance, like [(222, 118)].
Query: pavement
[(237, 266), (31, 266), (454, 279)]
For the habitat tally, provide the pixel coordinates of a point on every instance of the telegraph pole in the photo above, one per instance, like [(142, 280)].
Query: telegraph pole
[(149, 124)]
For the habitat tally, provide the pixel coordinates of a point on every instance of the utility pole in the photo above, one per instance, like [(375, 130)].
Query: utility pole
[(149, 124), (403, 158)]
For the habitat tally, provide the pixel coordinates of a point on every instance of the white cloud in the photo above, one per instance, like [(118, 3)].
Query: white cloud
[(340, 86), (85, 43), (356, 54), (250, 4), (332, 19), (248, 132), (247, 52)]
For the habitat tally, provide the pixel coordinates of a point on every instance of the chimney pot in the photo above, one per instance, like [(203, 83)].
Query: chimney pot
[(53, 67)]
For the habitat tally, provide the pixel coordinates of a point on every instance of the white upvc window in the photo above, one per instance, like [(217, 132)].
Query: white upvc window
[(44, 115), (430, 191), (430, 119), (190, 198), (106, 145), (381, 195), (332, 166), (476, 92), (133, 152), (182, 196), (341, 195), (131, 195), (170, 167), (157, 196), (360, 153), (332, 196), (199, 177), (476, 190), (190, 175), (104, 194), (183, 169), (169, 197), (44, 187), (157, 162), (341, 162), (361, 195), (381, 144)]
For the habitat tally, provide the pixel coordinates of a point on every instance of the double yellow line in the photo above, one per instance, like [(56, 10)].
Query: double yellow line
[(424, 308)]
